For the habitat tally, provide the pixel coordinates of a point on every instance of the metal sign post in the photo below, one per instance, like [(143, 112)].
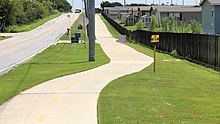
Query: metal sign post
[(155, 39)]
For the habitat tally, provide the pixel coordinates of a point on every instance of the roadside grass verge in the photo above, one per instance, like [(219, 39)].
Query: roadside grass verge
[(56, 61), (179, 92), (4, 37), (35, 24), (74, 29)]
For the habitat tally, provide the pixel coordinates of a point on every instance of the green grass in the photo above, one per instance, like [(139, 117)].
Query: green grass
[(4, 37), (35, 24), (74, 29), (58, 60), (179, 92)]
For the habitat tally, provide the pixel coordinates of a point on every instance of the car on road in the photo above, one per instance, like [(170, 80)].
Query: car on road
[(77, 10)]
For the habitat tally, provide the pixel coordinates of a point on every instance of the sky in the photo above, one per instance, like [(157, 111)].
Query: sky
[(78, 3)]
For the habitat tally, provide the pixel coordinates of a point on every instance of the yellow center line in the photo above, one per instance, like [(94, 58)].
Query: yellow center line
[(104, 72), (54, 99), (42, 118)]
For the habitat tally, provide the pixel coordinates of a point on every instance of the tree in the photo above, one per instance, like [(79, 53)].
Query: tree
[(139, 25), (109, 4), (7, 14), (165, 23), (154, 23)]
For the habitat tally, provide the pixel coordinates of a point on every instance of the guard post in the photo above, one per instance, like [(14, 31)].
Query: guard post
[(155, 39)]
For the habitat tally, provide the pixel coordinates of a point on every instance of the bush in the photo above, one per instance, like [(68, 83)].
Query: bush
[(154, 23), (165, 23), (196, 26), (139, 25)]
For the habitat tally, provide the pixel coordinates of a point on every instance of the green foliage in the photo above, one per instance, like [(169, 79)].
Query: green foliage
[(7, 14), (154, 23), (109, 4), (139, 25), (196, 26), (20, 12), (31, 26), (165, 24), (172, 25), (174, 53)]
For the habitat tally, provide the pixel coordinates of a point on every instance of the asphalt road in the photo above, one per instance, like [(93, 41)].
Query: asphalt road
[(23, 46)]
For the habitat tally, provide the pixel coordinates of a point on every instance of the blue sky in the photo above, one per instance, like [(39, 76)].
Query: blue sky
[(78, 3)]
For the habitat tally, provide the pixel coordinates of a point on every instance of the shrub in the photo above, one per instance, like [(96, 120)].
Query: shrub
[(139, 25), (165, 24), (154, 23), (196, 26)]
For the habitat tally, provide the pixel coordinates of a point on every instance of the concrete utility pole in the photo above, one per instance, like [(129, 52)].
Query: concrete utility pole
[(91, 28), (124, 2)]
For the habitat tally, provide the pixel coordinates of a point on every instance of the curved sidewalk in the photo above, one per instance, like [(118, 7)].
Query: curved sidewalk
[(73, 99)]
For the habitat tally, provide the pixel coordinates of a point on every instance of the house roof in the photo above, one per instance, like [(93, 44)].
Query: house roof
[(111, 9), (213, 2), (177, 8), (124, 7), (142, 8)]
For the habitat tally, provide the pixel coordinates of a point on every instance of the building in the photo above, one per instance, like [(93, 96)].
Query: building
[(211, 16), (146, 20), (117, 11), (131, 20), (140, 11), (112, 12), (180, 13)]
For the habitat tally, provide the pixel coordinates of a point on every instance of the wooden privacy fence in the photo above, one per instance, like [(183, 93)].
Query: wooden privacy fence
[(200, 47)]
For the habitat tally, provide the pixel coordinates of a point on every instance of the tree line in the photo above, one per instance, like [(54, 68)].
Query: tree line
[(20, 12)]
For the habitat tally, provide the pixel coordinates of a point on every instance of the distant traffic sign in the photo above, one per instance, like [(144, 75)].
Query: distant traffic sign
[(84, 21), (74, 39), (155, 38)]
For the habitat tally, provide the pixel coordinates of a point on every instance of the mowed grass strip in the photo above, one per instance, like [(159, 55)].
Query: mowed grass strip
[(179, 92), (74, 29), (35, 24), (4, 37), (56, 61)]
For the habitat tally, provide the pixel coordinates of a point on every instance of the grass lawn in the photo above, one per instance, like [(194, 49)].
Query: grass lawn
[(58, 60), (179, 92), (33, 25), (4, 37)]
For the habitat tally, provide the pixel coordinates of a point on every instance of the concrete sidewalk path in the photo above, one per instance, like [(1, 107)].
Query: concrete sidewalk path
[(73, 99)]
